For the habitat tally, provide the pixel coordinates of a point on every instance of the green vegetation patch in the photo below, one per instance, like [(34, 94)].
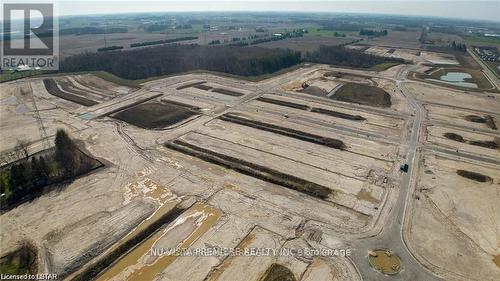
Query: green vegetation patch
[(155, 115), (363, 94), (482, 39), (19, 262), (341, 56), (26, 178), (158, 42), (117, 80), (141, 63), (11, 75)]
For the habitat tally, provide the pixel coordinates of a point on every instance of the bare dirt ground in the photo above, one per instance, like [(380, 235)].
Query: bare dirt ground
[(227, 183), (452, 220), (454, 229), (406, 54), (125, 192), (487, 145), (463, 117), (428, 93)]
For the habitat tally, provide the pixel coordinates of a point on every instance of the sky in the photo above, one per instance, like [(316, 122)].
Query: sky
[(478, 10)]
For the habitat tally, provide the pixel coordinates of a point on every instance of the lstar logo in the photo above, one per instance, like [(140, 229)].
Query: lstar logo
[(29, 39)]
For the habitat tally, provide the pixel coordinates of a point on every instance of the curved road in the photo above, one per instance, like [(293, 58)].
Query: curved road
[(391, 236)]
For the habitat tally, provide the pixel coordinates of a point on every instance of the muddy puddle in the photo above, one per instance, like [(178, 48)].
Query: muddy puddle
[(148, 189), (12, 100), (141, 264)]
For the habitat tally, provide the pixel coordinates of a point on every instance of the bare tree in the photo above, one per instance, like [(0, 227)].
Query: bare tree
[(22, 149)]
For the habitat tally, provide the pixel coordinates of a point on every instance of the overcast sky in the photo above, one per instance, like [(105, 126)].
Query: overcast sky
[(485, 10)]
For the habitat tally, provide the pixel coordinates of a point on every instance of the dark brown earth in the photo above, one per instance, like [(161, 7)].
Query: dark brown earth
[(155, 115), (363, 94)]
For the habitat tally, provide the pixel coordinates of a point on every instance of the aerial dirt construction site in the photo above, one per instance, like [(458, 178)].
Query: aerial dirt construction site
[(319, 173)]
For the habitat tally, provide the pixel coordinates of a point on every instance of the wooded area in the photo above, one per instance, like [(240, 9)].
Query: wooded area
[(170, 59), (342, 56), (28, 176)]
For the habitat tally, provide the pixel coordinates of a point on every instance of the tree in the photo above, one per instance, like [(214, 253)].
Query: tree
[(17, 180), (44, 168), (67, 154), (4, 183), (35, 171), (21, 149), (38, 174)]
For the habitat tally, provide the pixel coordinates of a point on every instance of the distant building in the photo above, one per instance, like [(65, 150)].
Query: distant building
[(22, 68)]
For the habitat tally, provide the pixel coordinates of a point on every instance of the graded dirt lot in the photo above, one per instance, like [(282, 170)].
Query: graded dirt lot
[(262, 165), (448, 97), (139, 187), (462, 117), (454, 227), (411, 55), (438, 58), (465, 141)]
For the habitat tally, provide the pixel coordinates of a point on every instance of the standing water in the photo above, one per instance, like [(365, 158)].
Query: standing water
[(457, 79)]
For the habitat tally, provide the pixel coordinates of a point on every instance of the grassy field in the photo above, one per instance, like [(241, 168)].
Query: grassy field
[(21, 261), (480, 39), (10, 76), (117, 80)]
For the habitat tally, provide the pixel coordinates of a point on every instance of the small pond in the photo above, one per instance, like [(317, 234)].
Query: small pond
[(457, 79)]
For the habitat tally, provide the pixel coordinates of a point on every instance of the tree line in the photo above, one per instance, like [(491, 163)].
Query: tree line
[(158, 42), (375, 33), (28, 176), (234, 59), (461, 47), (110, 48), (175, 58), (339, 55)]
